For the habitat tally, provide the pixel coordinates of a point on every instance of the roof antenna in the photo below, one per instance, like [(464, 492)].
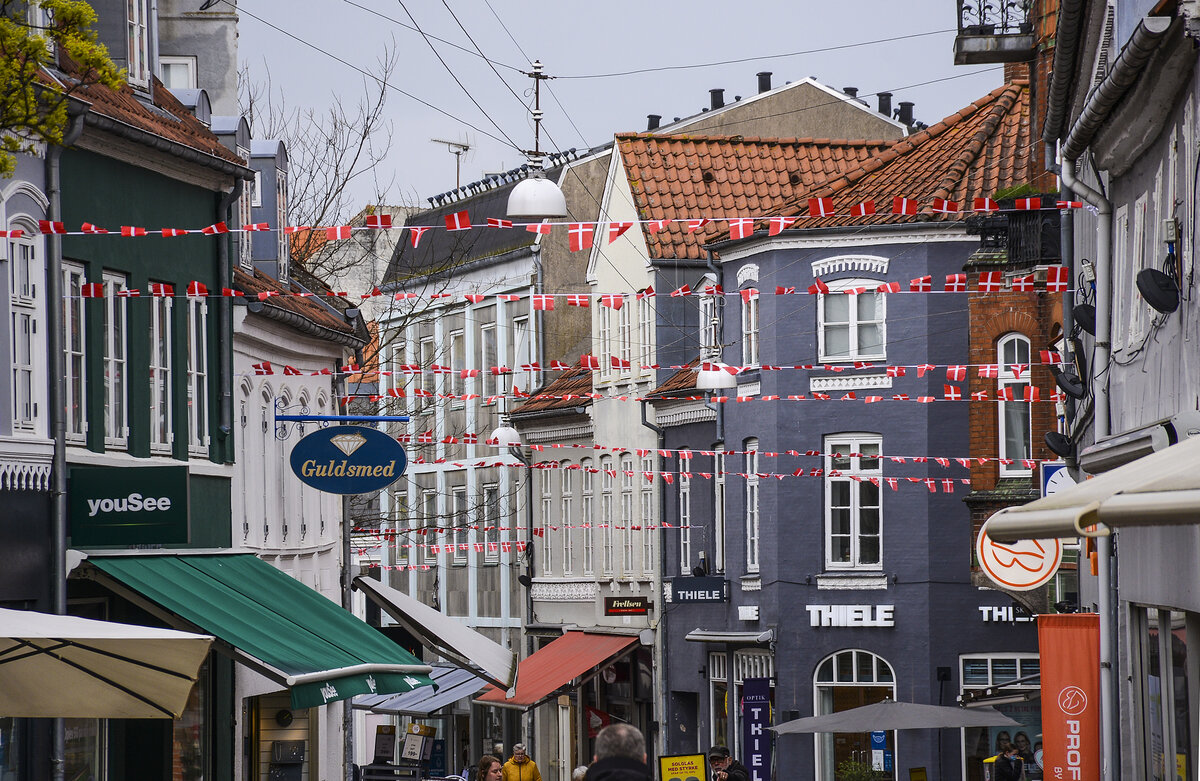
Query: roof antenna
[(456, 148)]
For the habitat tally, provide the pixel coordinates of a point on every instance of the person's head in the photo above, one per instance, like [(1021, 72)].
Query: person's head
[(1021, 741), (519, 753), (620, 740), (579, 773), (490, 769), (1002, 739), (718, 757), (1010, 750)]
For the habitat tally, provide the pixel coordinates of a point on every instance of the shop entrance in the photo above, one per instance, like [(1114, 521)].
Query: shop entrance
[(846, 680)]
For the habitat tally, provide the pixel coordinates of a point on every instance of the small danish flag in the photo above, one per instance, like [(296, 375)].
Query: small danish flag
[(864, 209), (920, 284), (92, 290), (1028, 204), (215, 228), (256, 226), (337, 232), (943, 206), (616, 229), (1058, 279), (820, 207), (48, 227), (581, 235), (989, 282), (956, 283), (740, 228), (416, 233), (654, 226), (545, 303), (956, 373), (459, 221), (379, 221), (986, 205), (777, 225), (613, 300), (904, 206)]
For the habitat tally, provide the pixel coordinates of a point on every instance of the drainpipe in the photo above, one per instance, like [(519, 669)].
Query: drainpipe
[(57, 394), (225, 318), (1066, 243), (661, 660), (1101, 426)]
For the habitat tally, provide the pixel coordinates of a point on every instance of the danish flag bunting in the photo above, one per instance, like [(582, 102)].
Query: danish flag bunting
[(686, 290), (820, 207), (171, 232), (90, 228), (956, 283), (579, 300), (1058, 279), (215, 228), (778, 225), (48, 227), (1023, 284), (542, 228), (740, 228), (695, 225), (986, 205), (474, 298), (654, 226), (161, 290), (1028, 204), (1069, 204), (615, 301), (989, 282), (942, 206), (785, 291), (15, 233), (818, 286), (290, 229), (617, 363), (291, 371), (616, 229), (229, 292), (337, 232), (263, 368), (197, 290), (952, 393), (416, 233), (545, 303), (508, 297), (956, 373), (920, 284), (904, 206), (864, 209), (748, 294), (459, 221), (895, 371), (581, 234), (379, 221), (924, 369), (91, 290), (256, 226), (1033, 393), (1005, 394), (588, 361), (1050, 357), (888, 287), (989, 371), (647, 293)]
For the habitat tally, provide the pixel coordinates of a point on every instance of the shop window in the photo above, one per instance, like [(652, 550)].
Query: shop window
[(718, 697), (845, 680), (1161, 695), (1016, 686)]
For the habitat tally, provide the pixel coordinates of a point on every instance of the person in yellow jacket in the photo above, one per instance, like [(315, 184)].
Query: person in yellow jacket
[(521, 767)]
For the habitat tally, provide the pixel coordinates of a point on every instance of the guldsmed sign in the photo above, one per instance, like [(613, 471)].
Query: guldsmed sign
[(128, 505), (348, 460)]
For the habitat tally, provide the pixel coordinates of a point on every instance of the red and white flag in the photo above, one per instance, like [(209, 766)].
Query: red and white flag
[(90, 228), (943, 206), (416, 232), (459, 221), (785, 291), (695, 225), (256, 226), (1058, 279), (337, 232), (474, 298), (161, 290), (579, 300), (1023, 284), (508, 297), (920, 284), (956, 283), (986, 205), (888, 287), (288, 230), (91, 290), (617, 229), (654, 226), (748, 294), (904, 206), (48, 227), (496, 222), (647, 293), (895, 371), (544, 303), (263, 368), (1033, 393), (1050, 357), (956, 373), (291, 371), (686, 290), (15, 233), (740, 228), (820, 207), (818, 287), (617, 363), (581, 235), (541, 228), (612, 300), (952, 393), (215, 228), (777, 225), (864, 209), (197, 289), (588, 361), (989, 282), (229, 292), (1069, 204), (989, 371), (379, 221), (1028, 204), (171, 232)]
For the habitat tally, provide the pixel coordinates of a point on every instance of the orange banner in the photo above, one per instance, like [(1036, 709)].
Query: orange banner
[(1069, 646)]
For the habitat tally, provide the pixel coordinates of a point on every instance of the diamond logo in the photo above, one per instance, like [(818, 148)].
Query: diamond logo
[(348, 443)]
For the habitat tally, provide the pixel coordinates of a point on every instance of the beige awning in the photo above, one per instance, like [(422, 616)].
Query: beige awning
[(1160, 489)]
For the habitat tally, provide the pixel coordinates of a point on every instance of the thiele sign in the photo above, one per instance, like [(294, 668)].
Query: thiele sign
[(348, 460), (686, 590)]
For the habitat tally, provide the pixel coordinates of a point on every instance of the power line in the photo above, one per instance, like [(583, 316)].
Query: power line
[(452, 44)]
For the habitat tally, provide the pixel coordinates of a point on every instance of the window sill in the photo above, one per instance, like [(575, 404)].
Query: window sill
[(751, 582), (852, 581)]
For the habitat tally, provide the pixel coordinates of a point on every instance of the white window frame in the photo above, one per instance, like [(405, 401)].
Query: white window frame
[(74, 343), (752, 500), (245, 217), (426, 357), (546, 480), (256, 194), (881, 318), (522, 352), (710, 328), (608, 557), (1006, 378), (162, 330), (428, 521), (685, 517), (719, 510), (457, 362), (26, 273), (625, 341), (460, 538), (823, 693), (567, 519), (491, 523), (189, 65), (489, 384), (1139, 310), (847, 444), (645, 329), (587, 498), (116, 363), (750, 335), (604, 340), (1023, 664), (283, 257), (1122, 300), (198, 411), (627, 546), (646, 519), (138, 42), (400, 519)]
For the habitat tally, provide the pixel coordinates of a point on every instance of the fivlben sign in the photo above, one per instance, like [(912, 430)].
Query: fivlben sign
[(348, 460)]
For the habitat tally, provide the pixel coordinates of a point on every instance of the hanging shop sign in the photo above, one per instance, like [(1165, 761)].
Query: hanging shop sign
[(348, 460), (851, 615), (128, 505), (1070, 666), (756, 720), (1019, 566), (626, 606), (691, 590)]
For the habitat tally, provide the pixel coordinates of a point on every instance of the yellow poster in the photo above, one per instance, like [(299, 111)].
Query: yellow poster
[(682, 767)]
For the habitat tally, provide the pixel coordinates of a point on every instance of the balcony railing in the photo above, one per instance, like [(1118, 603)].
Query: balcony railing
[(993, 31)]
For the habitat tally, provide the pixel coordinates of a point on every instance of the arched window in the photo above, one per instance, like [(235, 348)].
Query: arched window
[(845, 680), (1015, 432)]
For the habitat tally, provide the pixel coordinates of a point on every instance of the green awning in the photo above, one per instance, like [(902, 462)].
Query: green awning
[(273, 622)]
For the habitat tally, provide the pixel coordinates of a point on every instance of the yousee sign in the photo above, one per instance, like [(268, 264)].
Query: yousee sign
[(131, 505), (348, 460)]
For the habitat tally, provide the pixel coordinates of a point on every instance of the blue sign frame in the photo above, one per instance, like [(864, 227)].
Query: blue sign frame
[(348, 460)]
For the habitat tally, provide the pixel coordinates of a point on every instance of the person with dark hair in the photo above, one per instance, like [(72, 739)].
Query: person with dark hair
[(1009, 766), (620, 755), (490, 769), (725, 767)]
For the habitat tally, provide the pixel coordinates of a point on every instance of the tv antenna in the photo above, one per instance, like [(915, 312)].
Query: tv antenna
[(458, 149)]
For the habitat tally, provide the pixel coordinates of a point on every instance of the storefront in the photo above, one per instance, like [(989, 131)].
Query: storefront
[(1011, 683)]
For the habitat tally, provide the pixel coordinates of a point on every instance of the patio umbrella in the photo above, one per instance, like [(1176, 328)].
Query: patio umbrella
[(62, 666), (889, 715)]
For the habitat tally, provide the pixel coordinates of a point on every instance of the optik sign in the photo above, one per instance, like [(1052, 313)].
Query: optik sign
[(348, 460), (756, 718)]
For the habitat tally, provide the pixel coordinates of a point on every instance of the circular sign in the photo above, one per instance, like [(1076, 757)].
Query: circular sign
[(1019, 566), (348, 460), (1072, 700)]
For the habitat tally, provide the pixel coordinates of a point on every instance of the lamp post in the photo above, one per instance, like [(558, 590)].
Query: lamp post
[(536, 197)]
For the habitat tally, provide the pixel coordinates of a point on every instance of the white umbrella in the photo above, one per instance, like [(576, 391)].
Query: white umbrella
[(67, 667), (890, 715)]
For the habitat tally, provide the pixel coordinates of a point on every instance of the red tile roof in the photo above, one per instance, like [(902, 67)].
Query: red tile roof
[(576, 381), (682, 177), (682, 380), (258, 282)]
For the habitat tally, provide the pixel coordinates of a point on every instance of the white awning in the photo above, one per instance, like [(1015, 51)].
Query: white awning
[(1160, 489), (447, 636), (736, 638)]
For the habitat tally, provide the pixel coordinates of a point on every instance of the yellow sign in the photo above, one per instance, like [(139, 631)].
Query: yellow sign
[(422, 730), (682, 767)]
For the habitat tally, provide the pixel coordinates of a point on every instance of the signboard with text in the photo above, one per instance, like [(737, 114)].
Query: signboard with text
[(128, 505), (688, 589), (682, 767), (756, 718), (626, 606), (348, 460)]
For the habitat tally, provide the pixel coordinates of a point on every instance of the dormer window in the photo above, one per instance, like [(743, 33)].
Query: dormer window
[(139, 43), (177, 72)]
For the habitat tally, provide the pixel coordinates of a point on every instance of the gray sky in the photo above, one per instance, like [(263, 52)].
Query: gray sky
[(574, 39)]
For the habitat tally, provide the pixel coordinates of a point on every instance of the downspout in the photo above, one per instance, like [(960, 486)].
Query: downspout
[(57, 394), (661, 660), (1066, 243), (1066, 46), (1101, 427), (225, 317)]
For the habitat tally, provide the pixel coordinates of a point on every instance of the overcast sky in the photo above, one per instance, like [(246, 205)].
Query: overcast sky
[(577, 40)]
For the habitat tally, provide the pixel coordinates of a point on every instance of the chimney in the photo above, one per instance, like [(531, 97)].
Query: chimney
[(851, 91), (905, 114), (653, 121), (885, 104), (716, 98), (764, 81)]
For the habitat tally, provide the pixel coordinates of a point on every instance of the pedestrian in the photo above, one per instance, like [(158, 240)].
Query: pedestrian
[(1009, 766), (620, 755), (725, 767), (521, 767), (489, 769)]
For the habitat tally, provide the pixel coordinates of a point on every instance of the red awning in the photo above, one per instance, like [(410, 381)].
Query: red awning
[(545, 671)]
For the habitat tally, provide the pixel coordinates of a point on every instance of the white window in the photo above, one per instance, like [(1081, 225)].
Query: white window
[(986, 670), (853, 509), (522, 354), (256, 192), (751, 448), (161, 336), (178, 72), (281, 221), (116, 400), (400, 518), (685, 517), (491, 523), (710, 329), (627, 513), (645, 330), (428, 520), (1138, 308), (25, 273), (458, 362), (719, 510), (567, 520), (461, 538), (427, 356), (1015, 416), (246, 216), (608, 519), (489, 383), (750, 327), (75, 351), (139, 42), (647, 519), (197, 375), (586, 518), (625, 341), (547, 484), (604, 348), (851, 327), (849, 676)]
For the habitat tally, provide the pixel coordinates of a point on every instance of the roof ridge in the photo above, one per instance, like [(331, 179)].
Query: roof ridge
[(1000, 108), (736, 138)]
